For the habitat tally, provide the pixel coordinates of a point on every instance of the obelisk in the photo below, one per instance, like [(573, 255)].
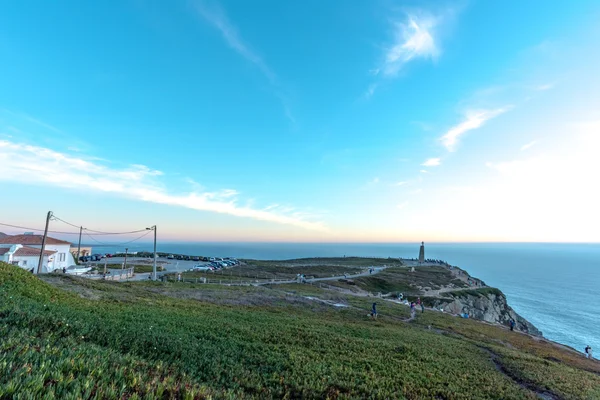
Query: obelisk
[(422, 253)]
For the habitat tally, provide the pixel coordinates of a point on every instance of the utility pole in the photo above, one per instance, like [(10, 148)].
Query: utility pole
[(153, 228), (125, 263), (79, 245), (39, 270)]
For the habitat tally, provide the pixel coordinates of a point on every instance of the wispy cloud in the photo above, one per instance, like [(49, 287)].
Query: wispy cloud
[(414, 38), (370, 91), (216, 16), (31, 119), (432, 162), (400, 183), (423, 125), (424, 171), (529, 145), (402, 205), (28, 164), (473, 119), (544, 87)]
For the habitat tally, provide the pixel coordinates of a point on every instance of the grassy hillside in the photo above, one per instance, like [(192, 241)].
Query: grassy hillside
[(77, 338), (398, 279)]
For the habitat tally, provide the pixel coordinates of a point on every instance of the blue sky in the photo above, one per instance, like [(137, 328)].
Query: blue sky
[(303, 121)]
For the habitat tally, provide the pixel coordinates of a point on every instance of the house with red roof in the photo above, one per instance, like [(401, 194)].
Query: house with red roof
[(24, 251)]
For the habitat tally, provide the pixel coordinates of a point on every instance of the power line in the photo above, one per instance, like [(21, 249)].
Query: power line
[(117, 244), (98, 232), (54, 217), (38, 230)]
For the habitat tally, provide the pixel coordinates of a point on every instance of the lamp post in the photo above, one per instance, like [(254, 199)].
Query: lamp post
[(153, 228)]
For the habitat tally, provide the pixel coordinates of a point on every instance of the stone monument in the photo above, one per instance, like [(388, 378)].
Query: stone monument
[(422, 253)]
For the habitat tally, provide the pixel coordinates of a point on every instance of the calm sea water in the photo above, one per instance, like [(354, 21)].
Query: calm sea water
[(554, 286)]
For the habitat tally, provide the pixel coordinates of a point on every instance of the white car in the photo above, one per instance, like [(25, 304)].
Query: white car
[(202, 268), (77, 270)]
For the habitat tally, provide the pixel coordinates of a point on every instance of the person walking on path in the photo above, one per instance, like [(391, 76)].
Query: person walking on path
[(422, 308), (412, 310), (588, 352), (512, 325), (374, 311)]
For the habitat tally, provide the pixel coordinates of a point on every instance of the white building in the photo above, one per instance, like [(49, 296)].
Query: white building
[(24, 256), (24, 251)]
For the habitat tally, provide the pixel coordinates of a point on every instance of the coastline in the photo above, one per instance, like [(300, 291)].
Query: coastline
[(538, 279)]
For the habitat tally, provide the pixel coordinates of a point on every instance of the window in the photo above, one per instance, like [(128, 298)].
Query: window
[(15, 263), (61, 257), (24, 263)]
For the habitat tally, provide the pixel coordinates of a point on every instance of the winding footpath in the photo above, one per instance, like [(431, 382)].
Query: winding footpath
[(376, 270)]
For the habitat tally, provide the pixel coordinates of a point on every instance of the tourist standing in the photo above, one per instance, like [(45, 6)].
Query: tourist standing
[(374, 311), (512, 324), (422, 308), (588, 351)]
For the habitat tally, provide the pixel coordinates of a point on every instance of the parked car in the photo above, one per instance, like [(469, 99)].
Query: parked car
[(195, 258), (77, 270), (202, 268), (96, 257), (170, 257), (108, 255)]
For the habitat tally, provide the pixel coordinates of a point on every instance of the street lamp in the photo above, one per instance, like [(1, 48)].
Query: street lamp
[(153, 228)]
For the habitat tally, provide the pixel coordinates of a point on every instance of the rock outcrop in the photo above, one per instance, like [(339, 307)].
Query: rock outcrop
[(487, 304)]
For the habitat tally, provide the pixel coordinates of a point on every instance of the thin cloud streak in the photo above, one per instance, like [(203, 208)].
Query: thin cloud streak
[(370, 91), (34, 120), (28, 164), (545, 87), (217, 17), (473, 119), (528, 145), (402, 205), (432, 162)]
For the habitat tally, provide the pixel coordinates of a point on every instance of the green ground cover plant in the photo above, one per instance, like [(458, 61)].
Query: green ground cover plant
[(87, 339)]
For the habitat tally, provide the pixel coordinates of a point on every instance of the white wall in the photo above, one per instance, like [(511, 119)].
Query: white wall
[(28, 262), (54, 262)]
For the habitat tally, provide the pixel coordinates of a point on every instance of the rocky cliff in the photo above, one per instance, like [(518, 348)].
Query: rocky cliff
[(486, 304)]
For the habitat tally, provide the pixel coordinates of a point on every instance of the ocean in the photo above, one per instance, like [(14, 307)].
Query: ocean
[(554, 286)]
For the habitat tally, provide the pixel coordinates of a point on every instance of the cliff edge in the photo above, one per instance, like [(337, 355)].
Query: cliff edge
[(485, 304)]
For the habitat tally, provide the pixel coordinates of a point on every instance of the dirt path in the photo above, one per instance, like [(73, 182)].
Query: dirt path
[(376, 270)]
